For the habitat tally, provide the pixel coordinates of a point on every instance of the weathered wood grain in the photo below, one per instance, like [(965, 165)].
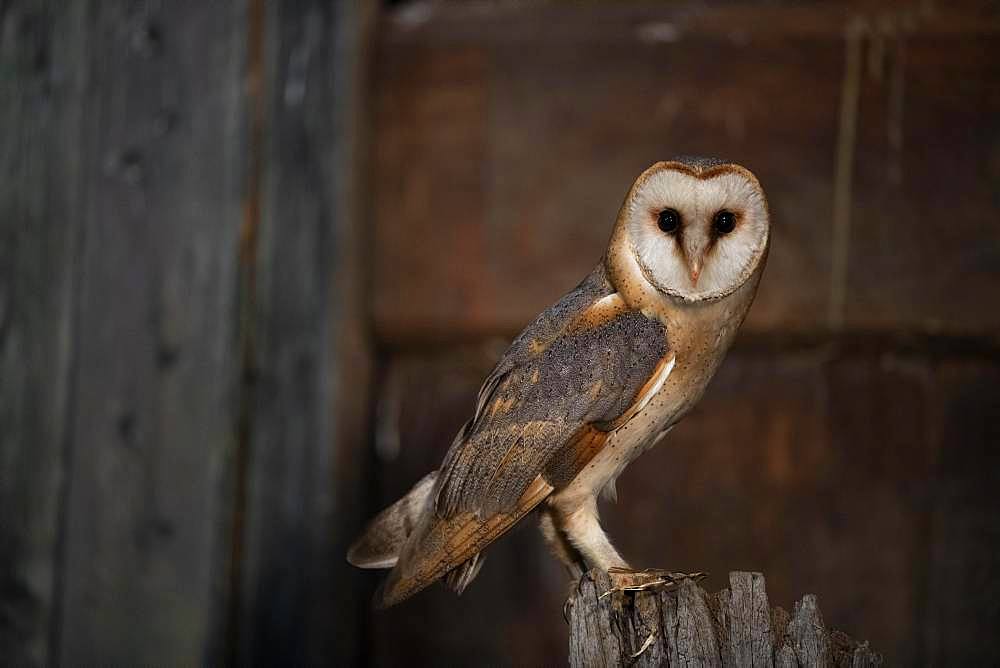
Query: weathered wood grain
[(308, 330), (153, 416), (689, 627), (179, 242), (41, 45), (806, 635), (745, 618)]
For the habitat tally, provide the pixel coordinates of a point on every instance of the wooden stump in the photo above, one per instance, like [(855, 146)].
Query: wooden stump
[(687, 626)]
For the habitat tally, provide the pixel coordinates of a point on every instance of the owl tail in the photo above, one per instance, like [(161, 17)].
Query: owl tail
[(383, 539)]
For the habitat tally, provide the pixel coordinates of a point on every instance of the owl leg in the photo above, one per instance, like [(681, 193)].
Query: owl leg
[(583, 528), (559, 544), (551, 522)]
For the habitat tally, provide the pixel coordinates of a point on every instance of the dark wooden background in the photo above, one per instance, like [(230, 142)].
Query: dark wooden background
[(256, 257)]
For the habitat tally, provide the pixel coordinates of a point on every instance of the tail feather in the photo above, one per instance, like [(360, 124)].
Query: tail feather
[(440, 545), (462, 576), (383, 539)]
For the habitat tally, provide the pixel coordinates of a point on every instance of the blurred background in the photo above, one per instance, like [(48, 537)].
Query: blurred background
[(256, 257)]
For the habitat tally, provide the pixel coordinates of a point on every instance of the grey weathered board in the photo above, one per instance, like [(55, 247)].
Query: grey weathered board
[(156, 365), (685, 626), (40, 91), (147, 515)]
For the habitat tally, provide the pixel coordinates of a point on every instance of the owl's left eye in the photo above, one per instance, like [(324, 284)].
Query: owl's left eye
[(668, 220), (724, 223)]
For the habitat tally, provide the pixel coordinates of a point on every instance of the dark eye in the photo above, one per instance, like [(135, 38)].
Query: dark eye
[(724, 222), (669, 220)]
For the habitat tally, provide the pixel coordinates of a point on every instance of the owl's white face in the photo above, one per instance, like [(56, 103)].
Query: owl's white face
[(697, 235)]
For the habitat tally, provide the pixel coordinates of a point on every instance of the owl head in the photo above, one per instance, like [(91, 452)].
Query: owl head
[(694, 229)]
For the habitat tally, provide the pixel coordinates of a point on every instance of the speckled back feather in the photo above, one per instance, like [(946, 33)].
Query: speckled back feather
[(548, 385)]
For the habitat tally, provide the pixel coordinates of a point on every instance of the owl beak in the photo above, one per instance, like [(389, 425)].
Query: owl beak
[(695, 267), (695, 248)]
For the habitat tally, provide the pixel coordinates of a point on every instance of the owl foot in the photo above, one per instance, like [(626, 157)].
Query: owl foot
[(650, 579)]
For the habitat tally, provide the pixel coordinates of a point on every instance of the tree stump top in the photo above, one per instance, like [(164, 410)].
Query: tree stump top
[(686, 626)]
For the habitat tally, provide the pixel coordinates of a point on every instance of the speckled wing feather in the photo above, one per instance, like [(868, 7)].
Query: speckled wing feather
[(541, 414), (577, 364)]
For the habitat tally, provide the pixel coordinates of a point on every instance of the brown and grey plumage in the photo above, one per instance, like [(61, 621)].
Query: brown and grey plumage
[(593, 382)]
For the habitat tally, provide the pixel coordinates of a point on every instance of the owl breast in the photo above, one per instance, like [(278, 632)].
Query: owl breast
[(700, 344), (625, 444)]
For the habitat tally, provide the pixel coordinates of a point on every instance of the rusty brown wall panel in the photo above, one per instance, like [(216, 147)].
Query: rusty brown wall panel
[(964, 529), (783, 468), (430, 163), (855, 466), (153, 416), (608, 22), (504, 147), (568, 131), (924, 250), (40, 91), (862, 477)]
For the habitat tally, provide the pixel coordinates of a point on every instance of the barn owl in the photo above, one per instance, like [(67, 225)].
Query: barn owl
[(596, 380)]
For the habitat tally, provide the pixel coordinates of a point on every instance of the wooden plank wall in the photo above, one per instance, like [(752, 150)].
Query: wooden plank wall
[(301, 602), (187, 333), (39, 238), (155, 367), (847, 447), (180, 404)]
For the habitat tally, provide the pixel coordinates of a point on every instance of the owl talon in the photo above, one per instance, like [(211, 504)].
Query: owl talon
[(650, 579)]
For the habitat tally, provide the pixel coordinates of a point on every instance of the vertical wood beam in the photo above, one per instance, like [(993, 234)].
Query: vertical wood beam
[(312, 362), (156, 374), (41, 84)]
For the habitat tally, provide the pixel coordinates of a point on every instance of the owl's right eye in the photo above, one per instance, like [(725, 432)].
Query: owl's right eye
[(669, 220)]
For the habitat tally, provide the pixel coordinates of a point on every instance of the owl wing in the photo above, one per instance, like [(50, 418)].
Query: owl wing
[(582, 369)]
